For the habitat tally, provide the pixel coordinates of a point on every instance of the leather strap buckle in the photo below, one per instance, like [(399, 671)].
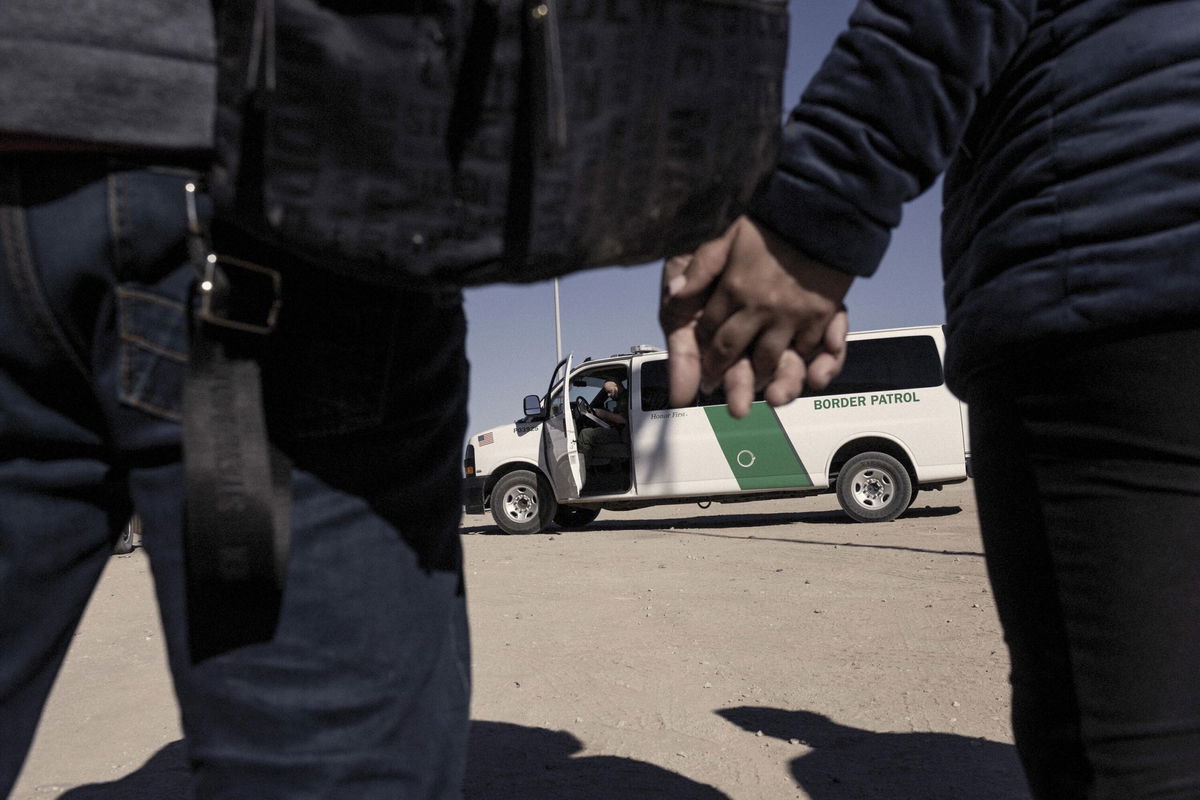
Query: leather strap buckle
[(239, 295)]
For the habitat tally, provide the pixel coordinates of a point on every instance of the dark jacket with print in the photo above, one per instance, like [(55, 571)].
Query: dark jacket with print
[(1070, 132)]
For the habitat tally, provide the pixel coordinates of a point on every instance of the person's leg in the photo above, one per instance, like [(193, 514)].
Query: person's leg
[(585, 439), (1045, 712), (62, 501), (1106, 435), (364, 691), (591, 438)]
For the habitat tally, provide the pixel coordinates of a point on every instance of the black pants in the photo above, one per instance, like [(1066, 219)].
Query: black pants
[(1088, 481)]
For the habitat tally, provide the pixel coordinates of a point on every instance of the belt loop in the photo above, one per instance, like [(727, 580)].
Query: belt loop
[(233, 293), (198, 249)]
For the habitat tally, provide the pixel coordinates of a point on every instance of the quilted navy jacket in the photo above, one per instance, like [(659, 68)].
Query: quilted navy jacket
[(1070, 135)]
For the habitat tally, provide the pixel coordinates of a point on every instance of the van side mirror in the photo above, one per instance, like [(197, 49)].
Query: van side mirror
[(533, 405)]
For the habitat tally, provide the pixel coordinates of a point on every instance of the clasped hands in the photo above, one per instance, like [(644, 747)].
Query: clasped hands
[(750, 312)]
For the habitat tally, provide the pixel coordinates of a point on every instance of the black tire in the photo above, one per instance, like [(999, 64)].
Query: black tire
[(124, 543), (522, 502), (571, 517), (874, 487)]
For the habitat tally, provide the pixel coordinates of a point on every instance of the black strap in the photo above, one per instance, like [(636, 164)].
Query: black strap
[(238, 491)]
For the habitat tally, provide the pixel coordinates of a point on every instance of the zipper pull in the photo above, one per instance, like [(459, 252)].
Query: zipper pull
[(548, 80), (260, 72)]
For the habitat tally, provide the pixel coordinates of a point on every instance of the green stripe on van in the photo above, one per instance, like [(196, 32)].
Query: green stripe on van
[(758, 451)]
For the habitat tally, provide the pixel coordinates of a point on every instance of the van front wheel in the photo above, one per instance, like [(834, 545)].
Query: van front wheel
[(522, 502), (873, 487)]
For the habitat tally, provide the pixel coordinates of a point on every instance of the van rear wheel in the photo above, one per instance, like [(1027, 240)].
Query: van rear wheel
[(124, 543), (912, 499), (874, 487), (522, 502), (572, 517)]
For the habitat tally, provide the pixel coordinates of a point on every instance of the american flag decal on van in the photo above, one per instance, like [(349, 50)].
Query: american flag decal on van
[(485, 438)]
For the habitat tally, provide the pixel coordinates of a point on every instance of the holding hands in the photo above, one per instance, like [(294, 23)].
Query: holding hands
[(749, 311)]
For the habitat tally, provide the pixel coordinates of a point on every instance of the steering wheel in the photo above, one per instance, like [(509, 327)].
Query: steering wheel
[(583, 409)]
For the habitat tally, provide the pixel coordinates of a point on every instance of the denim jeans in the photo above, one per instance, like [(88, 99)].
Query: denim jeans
[(1087, 473), (363, 692)]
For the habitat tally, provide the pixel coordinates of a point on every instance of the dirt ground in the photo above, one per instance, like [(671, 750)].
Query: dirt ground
[(755, 650)]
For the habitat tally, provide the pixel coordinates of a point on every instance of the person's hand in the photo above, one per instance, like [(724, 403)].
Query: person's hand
[(751, 312)]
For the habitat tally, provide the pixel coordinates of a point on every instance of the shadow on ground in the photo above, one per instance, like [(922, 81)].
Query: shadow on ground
[(164, 777), (848, 763), (514, 762), (626, 521), (506, 762)]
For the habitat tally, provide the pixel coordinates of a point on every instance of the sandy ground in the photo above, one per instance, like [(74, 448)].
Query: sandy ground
[(757, 650)]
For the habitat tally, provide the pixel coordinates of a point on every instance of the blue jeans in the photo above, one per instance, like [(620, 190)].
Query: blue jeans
[(1087, 473), (363, 692)]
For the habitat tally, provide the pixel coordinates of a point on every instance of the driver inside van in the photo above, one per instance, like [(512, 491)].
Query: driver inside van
[(613, 408)]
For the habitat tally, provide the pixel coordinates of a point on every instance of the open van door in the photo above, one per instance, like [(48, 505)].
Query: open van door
[(560, 450)]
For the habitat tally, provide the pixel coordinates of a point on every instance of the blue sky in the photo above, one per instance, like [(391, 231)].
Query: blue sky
[(510, 340)]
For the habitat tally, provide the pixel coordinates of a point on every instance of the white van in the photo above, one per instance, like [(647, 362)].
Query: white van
[(885, 428)]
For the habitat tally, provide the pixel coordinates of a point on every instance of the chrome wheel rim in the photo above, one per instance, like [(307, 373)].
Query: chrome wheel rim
[(520, 504), (872, 488)]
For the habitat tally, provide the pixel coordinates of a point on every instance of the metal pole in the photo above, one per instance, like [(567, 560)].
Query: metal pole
[(557, 326)]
